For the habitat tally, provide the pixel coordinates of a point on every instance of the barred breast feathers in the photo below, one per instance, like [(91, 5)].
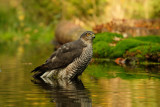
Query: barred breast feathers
[(79, 64)]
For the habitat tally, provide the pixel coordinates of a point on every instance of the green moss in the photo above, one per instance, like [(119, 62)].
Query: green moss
[(125, 45), (106, 37), (133, 46), (146, 49), (101, 43), (101, 49), (142, 51), (152, 38)]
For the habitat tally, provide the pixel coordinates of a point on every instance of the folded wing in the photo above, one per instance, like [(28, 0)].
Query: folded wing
[(62, 57)]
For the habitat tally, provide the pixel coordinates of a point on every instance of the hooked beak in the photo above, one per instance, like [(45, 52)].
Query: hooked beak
[(93, 36)]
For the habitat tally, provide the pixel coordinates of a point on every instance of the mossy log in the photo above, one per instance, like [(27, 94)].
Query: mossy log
[(67, 32)]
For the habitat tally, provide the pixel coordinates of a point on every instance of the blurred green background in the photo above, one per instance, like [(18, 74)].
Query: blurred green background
[(25, 22)]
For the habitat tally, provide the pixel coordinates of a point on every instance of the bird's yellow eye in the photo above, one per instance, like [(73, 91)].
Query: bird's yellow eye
[(87, 34)]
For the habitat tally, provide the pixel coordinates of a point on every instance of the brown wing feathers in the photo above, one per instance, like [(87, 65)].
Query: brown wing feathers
[(42, 68), (62, 57)]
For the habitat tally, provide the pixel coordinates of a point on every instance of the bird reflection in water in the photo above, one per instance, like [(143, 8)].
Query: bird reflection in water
[(65, 93)]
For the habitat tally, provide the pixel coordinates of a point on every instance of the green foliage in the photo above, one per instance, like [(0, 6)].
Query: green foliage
[(31, 21), (42, 35), (44, 11), (8, 18), (51, 11), (88, 7), (27, 36), (155, 9)]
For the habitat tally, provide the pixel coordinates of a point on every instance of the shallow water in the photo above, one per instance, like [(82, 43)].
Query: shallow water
[(101, 85)]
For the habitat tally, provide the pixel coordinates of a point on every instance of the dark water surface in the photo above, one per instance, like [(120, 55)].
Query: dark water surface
[(101, 85)]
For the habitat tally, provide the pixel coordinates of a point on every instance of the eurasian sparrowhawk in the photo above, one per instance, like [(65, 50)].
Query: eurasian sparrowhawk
[(70, 60)]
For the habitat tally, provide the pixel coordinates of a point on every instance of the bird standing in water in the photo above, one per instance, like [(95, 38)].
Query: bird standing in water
[(70, 60)]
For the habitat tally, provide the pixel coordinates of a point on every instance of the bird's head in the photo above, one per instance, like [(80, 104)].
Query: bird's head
[(88, 36)]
